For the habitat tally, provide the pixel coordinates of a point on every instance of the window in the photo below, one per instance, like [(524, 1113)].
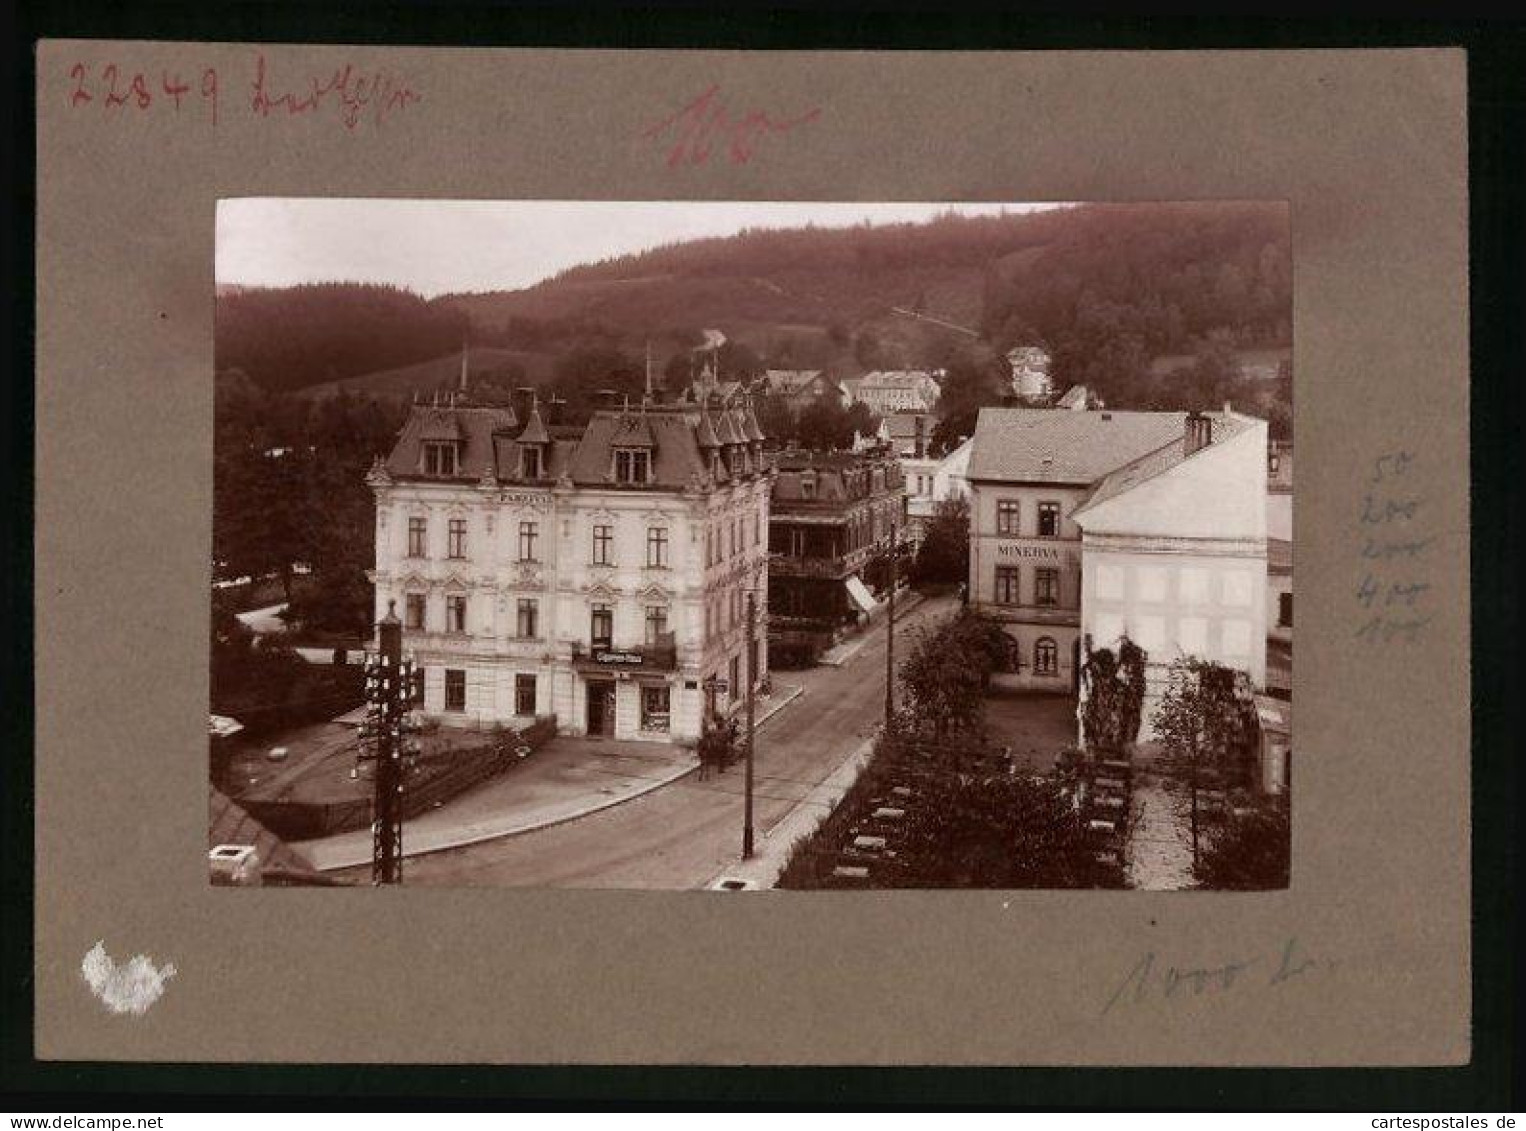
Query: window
[(455, 689), (1284, 610), (656, 623), (632, 465), (529, 462), (528, 533), (1006, 516), (1194, 584), (797, 541), (602, 626), (1007, 579), (1192, 635), (456, 538), (1272, 462), (757, 528), (529, 617), (418, 536), (524, 695), (736, 676), (1046, 657), (1109, 583), (440, 458), (455, 612), (1235, 637), (1046, 587), (603, 541), (1239, 589), (657, 547), (413, 610), (1049, 520), (656, 707), (808, 485)]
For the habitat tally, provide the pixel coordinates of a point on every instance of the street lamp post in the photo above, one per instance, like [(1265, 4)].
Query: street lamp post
[(752, 682)]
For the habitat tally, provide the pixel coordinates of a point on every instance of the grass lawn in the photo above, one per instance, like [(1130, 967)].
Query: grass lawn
[(1037, 726)]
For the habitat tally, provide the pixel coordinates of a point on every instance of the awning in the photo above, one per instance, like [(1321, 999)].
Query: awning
[(860, 594)]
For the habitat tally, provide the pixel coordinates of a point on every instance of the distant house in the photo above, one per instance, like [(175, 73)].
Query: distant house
[(1078, 398), (887, 391), (909, 433), (798, 388), (931, 481), (1030, 373)]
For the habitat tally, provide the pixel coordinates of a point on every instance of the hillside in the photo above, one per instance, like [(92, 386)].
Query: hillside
[(487, 366), (1122, 295)]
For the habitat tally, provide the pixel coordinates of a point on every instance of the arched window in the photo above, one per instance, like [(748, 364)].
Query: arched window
[(1046, 656)]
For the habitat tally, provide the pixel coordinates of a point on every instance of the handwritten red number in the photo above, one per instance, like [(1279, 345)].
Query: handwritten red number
[(139, 91), (209, 90), (175, 88), (113, 97), (79, 94)]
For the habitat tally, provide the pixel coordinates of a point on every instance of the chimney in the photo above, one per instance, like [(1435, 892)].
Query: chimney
[(1198, 432)]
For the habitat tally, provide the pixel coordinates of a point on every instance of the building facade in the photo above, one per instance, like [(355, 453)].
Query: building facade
[(1091, 525), (1030, 373), (899, 390), (598, 574), (931, 481), (832, 516)]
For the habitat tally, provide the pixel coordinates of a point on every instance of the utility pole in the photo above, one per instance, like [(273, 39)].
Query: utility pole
[(890, 635), (752, 681), (389, 689)]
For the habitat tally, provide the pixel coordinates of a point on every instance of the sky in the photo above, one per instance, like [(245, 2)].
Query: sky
[(435, 247)]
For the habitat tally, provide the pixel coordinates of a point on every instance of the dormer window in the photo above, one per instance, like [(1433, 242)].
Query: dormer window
[(530, 462), (633, 465), (808, 485), (441, 457)]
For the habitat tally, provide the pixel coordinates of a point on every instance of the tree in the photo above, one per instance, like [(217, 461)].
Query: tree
[(1204, 722), (995, 831), (947, 672), (967, 387), (1250, 851), (582, 374), (1113, 697), (944, 555)]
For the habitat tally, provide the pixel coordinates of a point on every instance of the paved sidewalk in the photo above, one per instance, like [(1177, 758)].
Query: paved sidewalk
[(566, 779), (1159, 853), (771, 852), (839, 654)]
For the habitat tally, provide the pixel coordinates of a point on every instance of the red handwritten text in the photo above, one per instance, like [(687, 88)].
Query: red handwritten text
[(353, 96), (113, 89), (701, 126), (352, 91)]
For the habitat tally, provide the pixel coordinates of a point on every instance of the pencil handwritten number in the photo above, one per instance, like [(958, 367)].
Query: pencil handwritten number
[(1149, 981), (1392, 589)]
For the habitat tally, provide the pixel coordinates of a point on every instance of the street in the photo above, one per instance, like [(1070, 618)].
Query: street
[(684, 834)]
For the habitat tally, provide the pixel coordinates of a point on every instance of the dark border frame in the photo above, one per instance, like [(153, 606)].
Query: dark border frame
[(1497, 171)]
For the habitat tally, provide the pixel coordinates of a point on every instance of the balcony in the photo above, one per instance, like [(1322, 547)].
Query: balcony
[(604, 658)]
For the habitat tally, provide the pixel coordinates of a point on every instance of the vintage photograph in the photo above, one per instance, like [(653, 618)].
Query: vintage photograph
[(737, 546)]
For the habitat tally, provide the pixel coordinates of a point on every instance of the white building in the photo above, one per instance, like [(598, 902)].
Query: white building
[(899, 390), (597, 574), (1088, 526), (1030, 372), (930, 481)]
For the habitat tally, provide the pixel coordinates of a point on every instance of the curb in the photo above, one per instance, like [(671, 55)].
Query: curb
[(469, 839), (800, 822)]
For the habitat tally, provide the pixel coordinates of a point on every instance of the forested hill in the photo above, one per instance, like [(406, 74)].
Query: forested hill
[(1108, 288)]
